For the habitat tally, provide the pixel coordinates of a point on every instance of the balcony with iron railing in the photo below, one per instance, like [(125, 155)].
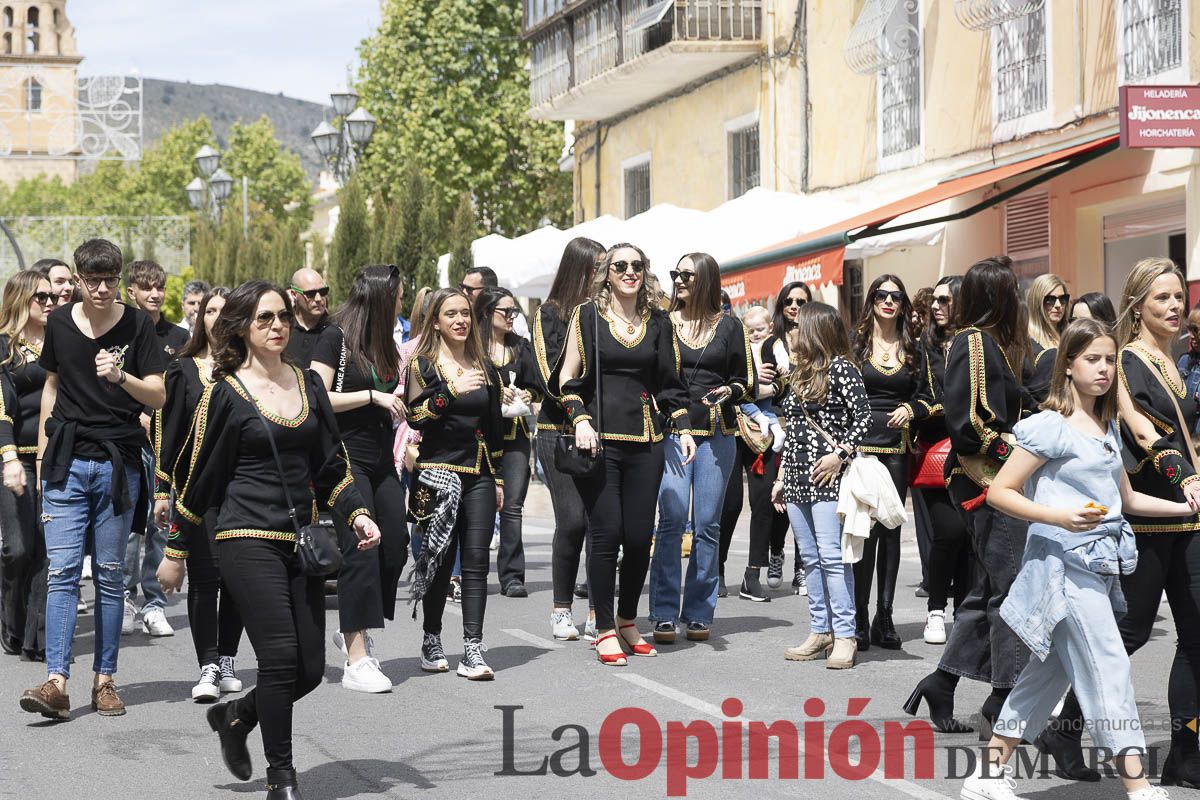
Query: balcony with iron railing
[(597, 60)]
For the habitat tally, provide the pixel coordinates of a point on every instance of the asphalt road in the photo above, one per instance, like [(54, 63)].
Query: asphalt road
[(439, 736)]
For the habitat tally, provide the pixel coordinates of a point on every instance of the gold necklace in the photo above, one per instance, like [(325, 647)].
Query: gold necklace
[(458, 370), (630, 329), (885, 356)]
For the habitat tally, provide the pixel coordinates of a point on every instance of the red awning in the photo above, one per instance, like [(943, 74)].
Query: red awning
[(816, 257)]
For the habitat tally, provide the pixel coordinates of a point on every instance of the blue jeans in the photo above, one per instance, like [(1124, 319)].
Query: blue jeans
[(69, 509), (700, 486), (156, 542), (830, 582)]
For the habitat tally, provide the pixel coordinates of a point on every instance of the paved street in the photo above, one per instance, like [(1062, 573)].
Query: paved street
[(439, 736)]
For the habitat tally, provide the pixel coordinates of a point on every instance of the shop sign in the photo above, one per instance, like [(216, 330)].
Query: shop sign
[(1160, 116)]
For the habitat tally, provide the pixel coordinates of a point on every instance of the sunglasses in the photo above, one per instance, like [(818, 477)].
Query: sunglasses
[(940, 300), (882, 296), (44, 298), (621, 267), (509, 313), (312, 294), (794, 301), (1051, 299), (266, 319), (682, 277), (111, 281)]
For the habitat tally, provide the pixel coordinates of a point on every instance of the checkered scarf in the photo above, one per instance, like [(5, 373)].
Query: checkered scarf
[(435, 539)]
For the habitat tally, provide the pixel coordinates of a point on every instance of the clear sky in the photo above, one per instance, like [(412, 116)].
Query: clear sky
[(299, 47)]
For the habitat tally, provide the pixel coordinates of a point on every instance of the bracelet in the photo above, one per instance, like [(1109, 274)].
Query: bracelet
[(121, 380), (370, 400)]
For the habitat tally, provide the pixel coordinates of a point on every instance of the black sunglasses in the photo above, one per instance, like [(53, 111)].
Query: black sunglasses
[(940, 300), (682, 277), (794, 301), (312, 294), (267, 318), (509, 313), (882, 296), (468, 290), (1049, 300), (621, 267), (42, 298)]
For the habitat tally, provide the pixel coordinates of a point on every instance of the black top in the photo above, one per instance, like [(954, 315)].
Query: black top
[(367, 431), (641, 379), (105, 410), (549, 338), (520, 372), (1162, 470), (25, 378), (723, 359), (982, 398), (170, 336), (932, 428), (230, 466), (1040, 370), (173, 425), (459, 433), (845, 416), (888, 388), (303, 341)]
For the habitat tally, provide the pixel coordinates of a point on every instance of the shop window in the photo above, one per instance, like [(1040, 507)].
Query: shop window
[(637, 189), (1151, 38), (1027, 235), (743, 160), (1019, 56)]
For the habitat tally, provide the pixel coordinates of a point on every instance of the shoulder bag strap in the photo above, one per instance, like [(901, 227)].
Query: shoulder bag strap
[(1179, 418), (829, 439), (599, 391), (287, 495)]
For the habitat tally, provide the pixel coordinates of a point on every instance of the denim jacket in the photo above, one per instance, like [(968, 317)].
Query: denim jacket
[(1079, 468)]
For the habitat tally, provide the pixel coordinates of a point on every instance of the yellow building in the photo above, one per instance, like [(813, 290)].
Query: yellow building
[(995, 117)]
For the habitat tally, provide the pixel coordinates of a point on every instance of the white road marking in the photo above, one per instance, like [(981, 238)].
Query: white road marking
[(533, 639)]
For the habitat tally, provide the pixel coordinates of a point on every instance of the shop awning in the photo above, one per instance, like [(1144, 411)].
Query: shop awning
[(816, 257)]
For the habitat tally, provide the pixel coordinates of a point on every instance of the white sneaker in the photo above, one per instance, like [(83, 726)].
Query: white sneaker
[(229, 679), (87, 568), (935, 627), (1150, 793), (473, 667), (154, 622), (495, 545), (999, 787), (129, 621), (433, 657), (563, 625), (81, 606), (364, 675), (589, 630), (339, 642), (208, 688)]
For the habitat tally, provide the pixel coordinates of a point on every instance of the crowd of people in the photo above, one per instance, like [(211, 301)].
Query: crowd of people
[(267, 448)]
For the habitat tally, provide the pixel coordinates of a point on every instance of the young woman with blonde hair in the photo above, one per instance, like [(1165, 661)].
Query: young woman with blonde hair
[(1047, 305)]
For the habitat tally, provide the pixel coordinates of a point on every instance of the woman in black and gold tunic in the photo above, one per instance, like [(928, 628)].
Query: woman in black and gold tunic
[(639, 378), (454, 401), (1153, 307), (890, 362), (230, 466)]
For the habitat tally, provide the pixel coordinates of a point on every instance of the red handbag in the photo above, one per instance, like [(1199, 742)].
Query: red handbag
[(931, 466)]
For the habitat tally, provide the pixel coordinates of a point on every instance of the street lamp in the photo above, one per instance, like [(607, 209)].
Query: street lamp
[(207, 161), (341, 145), (210, 191)]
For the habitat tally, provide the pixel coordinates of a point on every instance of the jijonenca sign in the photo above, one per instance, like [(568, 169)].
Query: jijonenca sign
[(1160, 116)]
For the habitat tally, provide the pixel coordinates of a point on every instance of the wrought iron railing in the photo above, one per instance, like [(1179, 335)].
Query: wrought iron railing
[(1021, 66), (166, 240), (1151, 37), (91, 119), (900, 106)]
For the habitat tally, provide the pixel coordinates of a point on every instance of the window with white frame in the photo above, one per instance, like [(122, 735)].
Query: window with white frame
[(743, 160), (637, 188), (1151, 37), (900, 82), (1019, 56)]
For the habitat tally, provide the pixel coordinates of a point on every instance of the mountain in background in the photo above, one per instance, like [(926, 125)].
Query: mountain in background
[(165, 104)]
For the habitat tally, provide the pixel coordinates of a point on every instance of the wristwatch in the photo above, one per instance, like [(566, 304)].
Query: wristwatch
[(842, 454)]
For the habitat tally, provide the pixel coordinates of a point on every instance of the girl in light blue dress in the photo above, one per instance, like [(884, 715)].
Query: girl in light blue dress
[(1067, 479)]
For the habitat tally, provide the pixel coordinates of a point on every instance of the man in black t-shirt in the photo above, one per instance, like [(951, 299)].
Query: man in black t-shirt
[(146, 287), (310, 302), (104, 367)]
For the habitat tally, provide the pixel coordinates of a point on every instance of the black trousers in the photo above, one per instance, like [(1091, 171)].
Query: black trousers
[(212, 614), (284, 612), (510, 558), (472, 537), (1168, 562), (22, 560), (620, 505), (768, 528), (881, 551), (950, 558), (570, 522), (367, 581)]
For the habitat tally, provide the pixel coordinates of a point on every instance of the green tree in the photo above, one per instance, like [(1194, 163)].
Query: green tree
[(447, 81), (351, 247), (277, 179), (172, 307), (462, 233), (320, 260)]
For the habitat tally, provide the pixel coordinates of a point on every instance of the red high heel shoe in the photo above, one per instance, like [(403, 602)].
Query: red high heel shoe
[(614, 660), (639, 649)]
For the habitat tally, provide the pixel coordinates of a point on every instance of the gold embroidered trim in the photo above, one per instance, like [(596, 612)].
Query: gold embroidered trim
[(255, 533), (282, 421), (1180, 391), (1168, 527), (174, 552), (881, 369), (1168, 430), (979, 389), (612, 329)]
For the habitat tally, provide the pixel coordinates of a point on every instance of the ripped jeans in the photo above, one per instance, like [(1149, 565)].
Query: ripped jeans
[(69, 509)]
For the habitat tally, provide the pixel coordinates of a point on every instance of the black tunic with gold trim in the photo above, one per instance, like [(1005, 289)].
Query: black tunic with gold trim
[(932, 428), (521, 372), (721, 359), (229, 465), (22, 403), (1039, 370), (1161, 470), (461, 433), (890, 387), (173, 425), (641, 377), (549, 339)]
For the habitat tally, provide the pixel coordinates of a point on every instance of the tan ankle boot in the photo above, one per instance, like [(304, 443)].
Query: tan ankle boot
[(813, 646), (843, 655)]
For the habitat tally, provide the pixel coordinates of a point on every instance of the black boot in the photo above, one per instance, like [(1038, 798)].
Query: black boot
[(233, 733), (1182, 767), (883, 630), (990, 710), (752, 587), (937, 690), (1062, 739), (862, 629), (281, 785)]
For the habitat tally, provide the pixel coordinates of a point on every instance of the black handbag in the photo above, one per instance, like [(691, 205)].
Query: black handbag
[(568, 458), (317, 549)]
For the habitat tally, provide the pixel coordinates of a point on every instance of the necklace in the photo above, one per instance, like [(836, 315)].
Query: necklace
[(885, 356), (630, 327), (458, 370)]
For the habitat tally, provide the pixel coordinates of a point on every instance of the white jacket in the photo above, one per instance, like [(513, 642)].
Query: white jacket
[(866, 496)]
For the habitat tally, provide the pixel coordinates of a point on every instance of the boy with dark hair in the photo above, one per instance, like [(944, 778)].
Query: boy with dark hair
[(104, 367), (146, 287)]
